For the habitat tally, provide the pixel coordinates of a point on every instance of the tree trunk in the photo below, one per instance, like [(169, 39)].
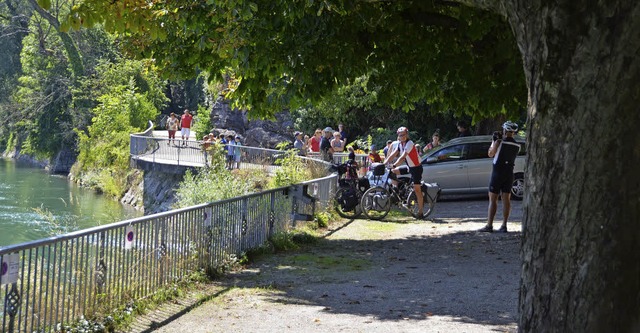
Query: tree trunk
[(73, 54), (581, 239)]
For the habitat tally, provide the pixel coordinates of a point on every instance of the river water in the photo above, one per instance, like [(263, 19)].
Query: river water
[(35, 205)]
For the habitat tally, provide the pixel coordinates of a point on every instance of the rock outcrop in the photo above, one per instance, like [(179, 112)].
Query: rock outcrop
[(256, 133)]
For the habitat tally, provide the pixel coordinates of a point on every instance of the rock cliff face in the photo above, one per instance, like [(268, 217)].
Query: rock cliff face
[(256, 133), (155, 194), (59, 164)]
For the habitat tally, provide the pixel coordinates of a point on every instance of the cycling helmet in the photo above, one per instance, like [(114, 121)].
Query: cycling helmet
[(510, 126), (402, 130)]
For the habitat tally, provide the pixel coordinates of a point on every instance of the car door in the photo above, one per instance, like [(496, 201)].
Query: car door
[(447, 168), (479, 166)]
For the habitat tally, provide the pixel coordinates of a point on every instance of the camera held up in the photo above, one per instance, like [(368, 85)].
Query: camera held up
[(497, 135)]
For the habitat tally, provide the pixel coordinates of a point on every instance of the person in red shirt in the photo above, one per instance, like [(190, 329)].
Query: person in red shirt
[(185, 124), (374, 156), (315, 141), (408, 163)]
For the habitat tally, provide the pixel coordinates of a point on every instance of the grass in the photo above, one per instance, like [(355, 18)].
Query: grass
[(334, 263)]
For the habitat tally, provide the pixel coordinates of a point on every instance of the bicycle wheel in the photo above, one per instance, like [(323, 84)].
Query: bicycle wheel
[(346, 212), (412, 204), (375, 203)]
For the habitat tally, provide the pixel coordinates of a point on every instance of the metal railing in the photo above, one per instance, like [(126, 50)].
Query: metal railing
[(191, 153), (50, 283)]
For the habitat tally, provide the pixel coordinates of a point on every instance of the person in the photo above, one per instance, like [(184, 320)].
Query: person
[(374, 156), (325, 145), (408, 157), (352, 153), (337, 144), (172, 127), (299, 144), (463, 129), (385, 151), (352, 164), (237, 151), (185, 125), (504, 151), (207, 141), (315, 141), (223, 142), (435, 142), (306, 144), (343, 134), (230, 151)]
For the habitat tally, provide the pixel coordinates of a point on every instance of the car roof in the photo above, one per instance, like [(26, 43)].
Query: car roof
[(477, 138), (471, 139)]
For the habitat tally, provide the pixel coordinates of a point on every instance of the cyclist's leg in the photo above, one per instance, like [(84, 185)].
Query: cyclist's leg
[(494, 192), (506, 198), (393, 175), (416, 176)]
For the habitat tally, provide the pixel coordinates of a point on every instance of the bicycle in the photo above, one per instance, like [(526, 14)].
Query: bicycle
[(376, 202), (350, 191)]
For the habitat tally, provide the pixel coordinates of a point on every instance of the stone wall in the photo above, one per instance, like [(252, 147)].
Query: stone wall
[(157, 191)]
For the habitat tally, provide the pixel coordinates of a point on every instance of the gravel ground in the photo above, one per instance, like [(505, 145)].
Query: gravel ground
[(398, 275)]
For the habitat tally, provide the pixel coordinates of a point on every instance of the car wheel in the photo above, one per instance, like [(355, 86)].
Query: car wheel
[(517, 188)]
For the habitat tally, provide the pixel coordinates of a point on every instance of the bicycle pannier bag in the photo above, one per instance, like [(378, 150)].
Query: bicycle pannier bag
[(363, 184), (348, 200), (378, 169)]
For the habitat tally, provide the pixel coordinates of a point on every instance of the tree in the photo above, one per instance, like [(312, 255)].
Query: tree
[(75, 60), (581, 244), (283, 53)]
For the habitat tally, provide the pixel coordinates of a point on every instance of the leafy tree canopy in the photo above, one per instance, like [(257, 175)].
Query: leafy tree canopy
[(282, 53)]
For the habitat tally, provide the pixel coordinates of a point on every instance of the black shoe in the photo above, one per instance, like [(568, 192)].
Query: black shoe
[(487, 228), (503, 229)]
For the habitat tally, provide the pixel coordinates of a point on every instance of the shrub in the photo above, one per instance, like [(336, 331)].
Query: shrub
[(292, 170), (211, 184)]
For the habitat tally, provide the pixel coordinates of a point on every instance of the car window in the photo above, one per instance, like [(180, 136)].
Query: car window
[(453, 153), (478, 150)]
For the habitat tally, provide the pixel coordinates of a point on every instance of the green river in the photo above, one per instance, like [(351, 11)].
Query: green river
[(35, 205)]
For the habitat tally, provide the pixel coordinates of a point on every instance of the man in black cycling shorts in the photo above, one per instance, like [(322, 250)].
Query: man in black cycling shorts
[(504, 152), (408, 157)]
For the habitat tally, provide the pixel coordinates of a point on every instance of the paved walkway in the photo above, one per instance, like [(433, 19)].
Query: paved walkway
[(394, 276)]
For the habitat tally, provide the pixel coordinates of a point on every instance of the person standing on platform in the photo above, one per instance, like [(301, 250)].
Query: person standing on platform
[(185, 125)]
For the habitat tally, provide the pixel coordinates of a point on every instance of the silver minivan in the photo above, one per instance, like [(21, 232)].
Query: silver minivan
[(461, 166)]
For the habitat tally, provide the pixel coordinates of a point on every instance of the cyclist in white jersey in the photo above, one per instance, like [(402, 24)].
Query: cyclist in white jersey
[(408, 162)]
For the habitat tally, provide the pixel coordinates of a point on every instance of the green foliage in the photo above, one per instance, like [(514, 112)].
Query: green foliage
[(41, 115), (258, 179), (277, 53), (123, 108), (284, 242), (292, 170), (202, 122), (322, 219), (211, 184)]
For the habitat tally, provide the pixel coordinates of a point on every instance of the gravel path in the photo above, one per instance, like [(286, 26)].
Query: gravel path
[(399, 275)]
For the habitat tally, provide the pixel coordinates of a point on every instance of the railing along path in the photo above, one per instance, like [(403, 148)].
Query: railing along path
[(49, 284)]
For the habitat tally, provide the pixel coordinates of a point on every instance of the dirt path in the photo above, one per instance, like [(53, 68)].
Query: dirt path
[(394, 276)]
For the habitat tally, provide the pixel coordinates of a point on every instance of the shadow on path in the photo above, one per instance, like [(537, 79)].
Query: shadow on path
[(368, 276)]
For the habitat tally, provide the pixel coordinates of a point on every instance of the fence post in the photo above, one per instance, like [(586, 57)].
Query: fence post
[(101, 266), (245, 224), (272, 215), (11, 305)]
